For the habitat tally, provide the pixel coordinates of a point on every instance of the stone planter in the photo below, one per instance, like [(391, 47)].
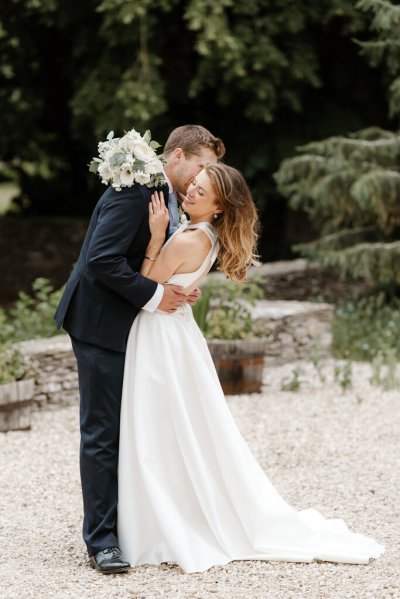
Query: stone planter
[(16, 404), (239, 364)]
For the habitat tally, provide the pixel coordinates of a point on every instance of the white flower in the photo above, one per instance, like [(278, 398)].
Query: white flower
[(129, 159), (183, 218), (142, 178), (154, 166), (143, 151), (127, 175), (105, 171), (127, 144), (134, 135), (124, 161)]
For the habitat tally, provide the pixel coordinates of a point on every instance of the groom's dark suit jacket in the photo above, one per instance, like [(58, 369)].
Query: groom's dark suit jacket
[(105, 290)]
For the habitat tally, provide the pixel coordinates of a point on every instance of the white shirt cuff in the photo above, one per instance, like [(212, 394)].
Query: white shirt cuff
[(154, 301)]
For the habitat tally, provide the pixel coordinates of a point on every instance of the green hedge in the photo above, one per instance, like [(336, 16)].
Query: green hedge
[(367, 329), (32, 316)]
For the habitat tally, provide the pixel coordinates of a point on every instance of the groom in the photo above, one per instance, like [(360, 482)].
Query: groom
[(102, 297)]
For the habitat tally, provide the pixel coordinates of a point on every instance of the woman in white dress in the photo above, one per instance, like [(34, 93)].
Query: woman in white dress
[(190, 490)]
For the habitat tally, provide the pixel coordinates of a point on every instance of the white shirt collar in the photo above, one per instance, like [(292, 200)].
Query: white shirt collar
[(170, 188)]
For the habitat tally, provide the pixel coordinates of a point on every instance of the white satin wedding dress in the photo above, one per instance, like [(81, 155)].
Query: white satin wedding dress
[(190, 490)]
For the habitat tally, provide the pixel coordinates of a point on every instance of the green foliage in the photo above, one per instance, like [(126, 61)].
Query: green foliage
[(13, 366), (367, 328), (346, 181), (221, 311), (384, 367), (292, 384), (32, 316), (132, 62), (350, 185), (316, 358), (225, 35), (342, 374), (376, 262), (386, 47)]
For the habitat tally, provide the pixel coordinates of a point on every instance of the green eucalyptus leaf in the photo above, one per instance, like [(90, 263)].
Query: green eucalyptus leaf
[(117, 159), (93, 166)]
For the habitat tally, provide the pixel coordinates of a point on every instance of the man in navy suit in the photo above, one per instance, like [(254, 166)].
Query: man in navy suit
[(102, 297)]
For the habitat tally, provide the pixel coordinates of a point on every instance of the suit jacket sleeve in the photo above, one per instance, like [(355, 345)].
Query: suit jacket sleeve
[(120, 218)]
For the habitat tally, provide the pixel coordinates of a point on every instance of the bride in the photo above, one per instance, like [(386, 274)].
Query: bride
[(190, 491)]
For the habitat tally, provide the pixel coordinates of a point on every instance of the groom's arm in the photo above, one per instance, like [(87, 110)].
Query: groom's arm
[(120, 218)]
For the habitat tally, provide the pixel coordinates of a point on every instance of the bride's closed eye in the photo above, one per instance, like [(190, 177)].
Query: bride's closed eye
[(199, 190)]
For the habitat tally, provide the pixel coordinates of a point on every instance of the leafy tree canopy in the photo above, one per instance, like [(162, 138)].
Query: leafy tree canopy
[(71, 71)]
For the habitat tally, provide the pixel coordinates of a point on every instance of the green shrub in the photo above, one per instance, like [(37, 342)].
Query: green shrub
[(384, 367), (32, 316), (367, 328), (13, 366), (221, 311)]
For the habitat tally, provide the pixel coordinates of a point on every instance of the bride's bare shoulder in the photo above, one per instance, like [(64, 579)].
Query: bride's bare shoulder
[(198, 237), (193, 240)]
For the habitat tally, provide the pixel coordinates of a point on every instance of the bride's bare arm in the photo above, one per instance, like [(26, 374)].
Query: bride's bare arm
[(158, 221), (160, 266), (170, 259)]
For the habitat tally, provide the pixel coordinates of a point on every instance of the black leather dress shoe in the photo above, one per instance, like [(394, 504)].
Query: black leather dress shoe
[(110, 561)]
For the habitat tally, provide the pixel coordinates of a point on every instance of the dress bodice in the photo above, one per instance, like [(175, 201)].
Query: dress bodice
[(187, 279)]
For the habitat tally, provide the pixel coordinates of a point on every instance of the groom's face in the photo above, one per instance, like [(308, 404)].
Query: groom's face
[(187, 167)]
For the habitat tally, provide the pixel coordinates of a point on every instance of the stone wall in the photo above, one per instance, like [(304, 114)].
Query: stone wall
[(292, 330), (56, 379)]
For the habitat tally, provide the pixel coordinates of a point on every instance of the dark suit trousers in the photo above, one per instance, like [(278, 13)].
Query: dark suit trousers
[(100, 373)]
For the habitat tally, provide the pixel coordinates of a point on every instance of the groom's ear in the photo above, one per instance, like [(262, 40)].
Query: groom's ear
[(179, 153)]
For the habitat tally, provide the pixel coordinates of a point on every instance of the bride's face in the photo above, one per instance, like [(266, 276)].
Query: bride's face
[(200, 201)]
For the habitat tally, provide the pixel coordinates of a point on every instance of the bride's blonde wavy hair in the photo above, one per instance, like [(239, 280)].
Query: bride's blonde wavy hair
[(237, 225)]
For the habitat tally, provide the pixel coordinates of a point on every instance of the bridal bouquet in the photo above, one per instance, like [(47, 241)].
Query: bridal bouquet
[(130, 159)]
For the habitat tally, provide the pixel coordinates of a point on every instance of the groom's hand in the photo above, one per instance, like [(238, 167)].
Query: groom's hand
[(172, 299), (193, 297)]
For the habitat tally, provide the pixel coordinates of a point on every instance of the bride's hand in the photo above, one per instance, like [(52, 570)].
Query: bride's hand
[(158, 216)]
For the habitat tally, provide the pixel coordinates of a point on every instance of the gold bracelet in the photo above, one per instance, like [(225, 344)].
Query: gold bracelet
[(148, 258)]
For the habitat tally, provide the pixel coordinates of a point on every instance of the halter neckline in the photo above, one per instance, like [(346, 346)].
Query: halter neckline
[(185, 279)]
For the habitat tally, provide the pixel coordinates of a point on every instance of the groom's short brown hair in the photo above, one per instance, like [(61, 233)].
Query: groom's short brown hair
[(190, 138)]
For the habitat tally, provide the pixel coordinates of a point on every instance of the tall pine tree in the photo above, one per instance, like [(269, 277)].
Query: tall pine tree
[(350, 185)]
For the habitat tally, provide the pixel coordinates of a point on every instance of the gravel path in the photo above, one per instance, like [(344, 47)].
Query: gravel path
[(337, 452)]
